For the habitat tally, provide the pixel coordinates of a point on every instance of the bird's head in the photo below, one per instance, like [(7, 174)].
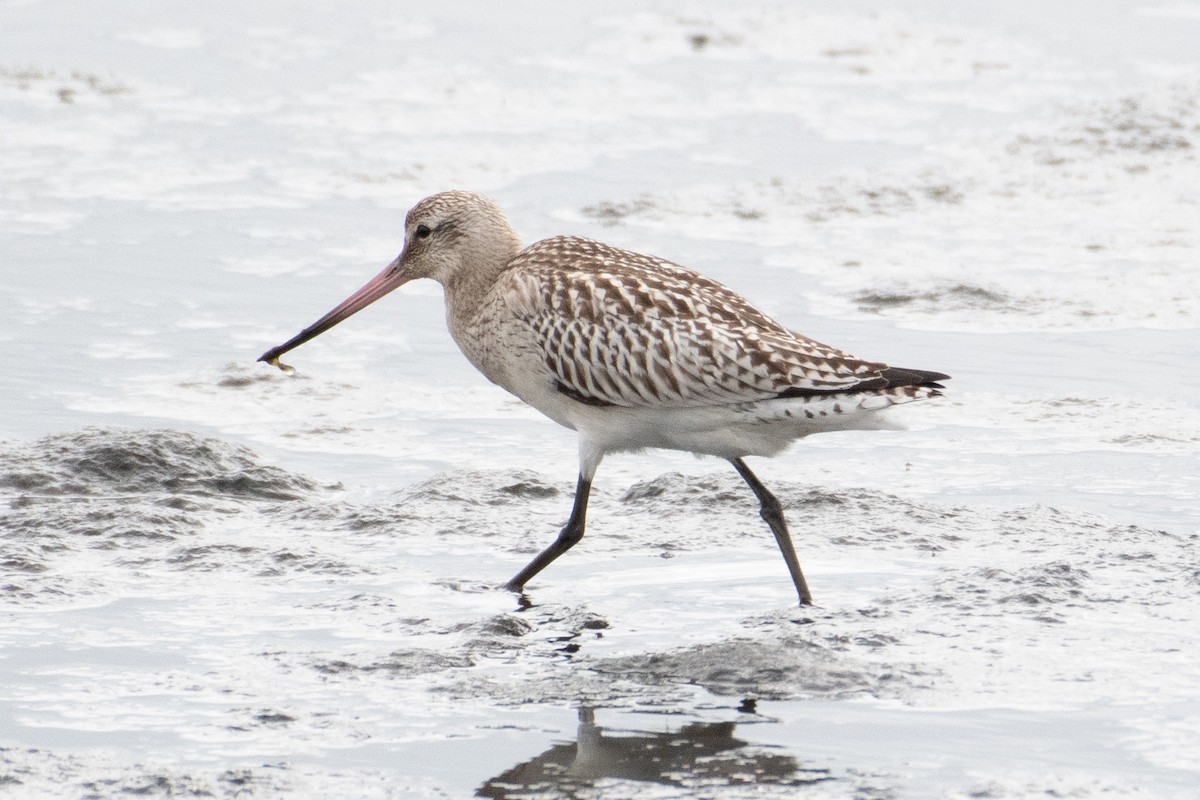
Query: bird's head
[(451, 237)]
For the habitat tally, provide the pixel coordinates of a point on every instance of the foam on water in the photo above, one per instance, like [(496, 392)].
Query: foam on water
[(264, 609), (963, 242)]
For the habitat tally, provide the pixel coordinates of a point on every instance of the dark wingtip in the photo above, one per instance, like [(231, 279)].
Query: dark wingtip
[(887, 378), (896, 376)]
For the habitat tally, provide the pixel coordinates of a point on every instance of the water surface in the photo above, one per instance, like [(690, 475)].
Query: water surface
[(222, 580)]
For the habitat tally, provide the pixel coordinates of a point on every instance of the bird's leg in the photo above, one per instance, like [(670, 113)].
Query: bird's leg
[(772, 512), (568, 537)]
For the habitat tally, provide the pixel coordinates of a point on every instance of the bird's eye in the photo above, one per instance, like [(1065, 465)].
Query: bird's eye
[(423, 231)]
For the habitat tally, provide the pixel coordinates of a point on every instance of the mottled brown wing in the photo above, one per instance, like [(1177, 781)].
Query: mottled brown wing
[(620, 328)]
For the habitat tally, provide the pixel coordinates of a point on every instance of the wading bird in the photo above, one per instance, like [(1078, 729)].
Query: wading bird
[(630, 351)]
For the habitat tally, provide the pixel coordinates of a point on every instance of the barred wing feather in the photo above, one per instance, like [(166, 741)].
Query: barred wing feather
[(619, 328)]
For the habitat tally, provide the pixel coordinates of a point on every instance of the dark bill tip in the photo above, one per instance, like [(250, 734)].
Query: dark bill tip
[(272, 355)]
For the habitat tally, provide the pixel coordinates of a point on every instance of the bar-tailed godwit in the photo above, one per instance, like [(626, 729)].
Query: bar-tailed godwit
[(630, 351)]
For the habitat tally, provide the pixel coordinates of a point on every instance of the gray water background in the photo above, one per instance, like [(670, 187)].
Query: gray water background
[(221, 579)]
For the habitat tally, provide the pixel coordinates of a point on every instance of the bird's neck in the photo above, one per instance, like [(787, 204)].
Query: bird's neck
[(467, 288)]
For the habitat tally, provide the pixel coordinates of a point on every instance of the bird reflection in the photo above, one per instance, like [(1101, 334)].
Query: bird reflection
[(698, 754)]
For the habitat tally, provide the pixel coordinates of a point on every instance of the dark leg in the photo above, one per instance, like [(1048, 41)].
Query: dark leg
[(772, 512), (568, 537)]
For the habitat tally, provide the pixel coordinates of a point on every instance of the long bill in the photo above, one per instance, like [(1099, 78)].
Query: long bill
[(391, 278)]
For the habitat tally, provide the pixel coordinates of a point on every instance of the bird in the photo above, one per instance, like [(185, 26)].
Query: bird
[(630, 351)]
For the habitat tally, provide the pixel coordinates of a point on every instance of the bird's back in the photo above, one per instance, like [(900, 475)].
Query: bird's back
[(619, 328)]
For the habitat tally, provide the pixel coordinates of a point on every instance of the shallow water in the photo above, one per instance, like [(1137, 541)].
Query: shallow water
[(222, 580)]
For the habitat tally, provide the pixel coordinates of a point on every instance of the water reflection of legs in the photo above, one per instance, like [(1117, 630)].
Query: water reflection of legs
[(699, 754)]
